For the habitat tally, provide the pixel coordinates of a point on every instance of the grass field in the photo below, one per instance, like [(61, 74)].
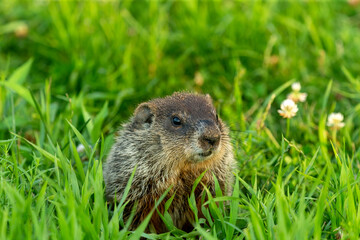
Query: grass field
[(72, 71)]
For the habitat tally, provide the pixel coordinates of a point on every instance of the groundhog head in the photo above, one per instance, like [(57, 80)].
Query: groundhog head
[(186, 124)]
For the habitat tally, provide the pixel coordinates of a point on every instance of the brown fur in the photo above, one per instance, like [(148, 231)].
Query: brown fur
[(169, 155)]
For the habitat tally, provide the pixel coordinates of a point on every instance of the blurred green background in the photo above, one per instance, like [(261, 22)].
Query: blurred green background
[(136, 50), (96, 60)]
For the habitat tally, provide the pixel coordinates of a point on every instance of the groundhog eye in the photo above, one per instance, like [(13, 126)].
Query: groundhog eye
[(217, 118), (176, 121)]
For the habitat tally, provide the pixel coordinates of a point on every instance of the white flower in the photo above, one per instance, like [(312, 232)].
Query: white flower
[(296, 87), (302, 97), (288, 109), (80, 148), (297, 96), (22, 30), (335, 121)]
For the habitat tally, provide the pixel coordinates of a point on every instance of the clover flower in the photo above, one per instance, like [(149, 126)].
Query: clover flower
[(80, 148), (335, 121), (22, 30), (296, 95), (288, 109), (296, 87)]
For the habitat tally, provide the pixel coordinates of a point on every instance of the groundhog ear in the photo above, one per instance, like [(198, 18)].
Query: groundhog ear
[(143, 117)]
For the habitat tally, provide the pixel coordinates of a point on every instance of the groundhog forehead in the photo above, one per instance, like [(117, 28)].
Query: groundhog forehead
[(195, 105)]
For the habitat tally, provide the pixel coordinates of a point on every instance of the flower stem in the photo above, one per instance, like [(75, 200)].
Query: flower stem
[(287, 127), (334, 133)]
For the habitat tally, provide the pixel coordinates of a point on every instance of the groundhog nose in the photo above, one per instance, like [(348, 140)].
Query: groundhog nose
[(209, 142), (212, 140)]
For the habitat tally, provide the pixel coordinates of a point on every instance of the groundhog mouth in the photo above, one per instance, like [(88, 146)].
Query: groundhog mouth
[(205, 154)]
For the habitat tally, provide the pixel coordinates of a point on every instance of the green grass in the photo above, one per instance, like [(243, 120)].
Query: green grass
[(82, 67)]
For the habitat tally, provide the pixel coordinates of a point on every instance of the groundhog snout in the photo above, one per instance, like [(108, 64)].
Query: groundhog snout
[(209, 142), (210, 136)]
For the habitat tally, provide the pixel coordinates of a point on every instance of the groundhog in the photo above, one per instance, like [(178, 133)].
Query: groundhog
[(171, 141)]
